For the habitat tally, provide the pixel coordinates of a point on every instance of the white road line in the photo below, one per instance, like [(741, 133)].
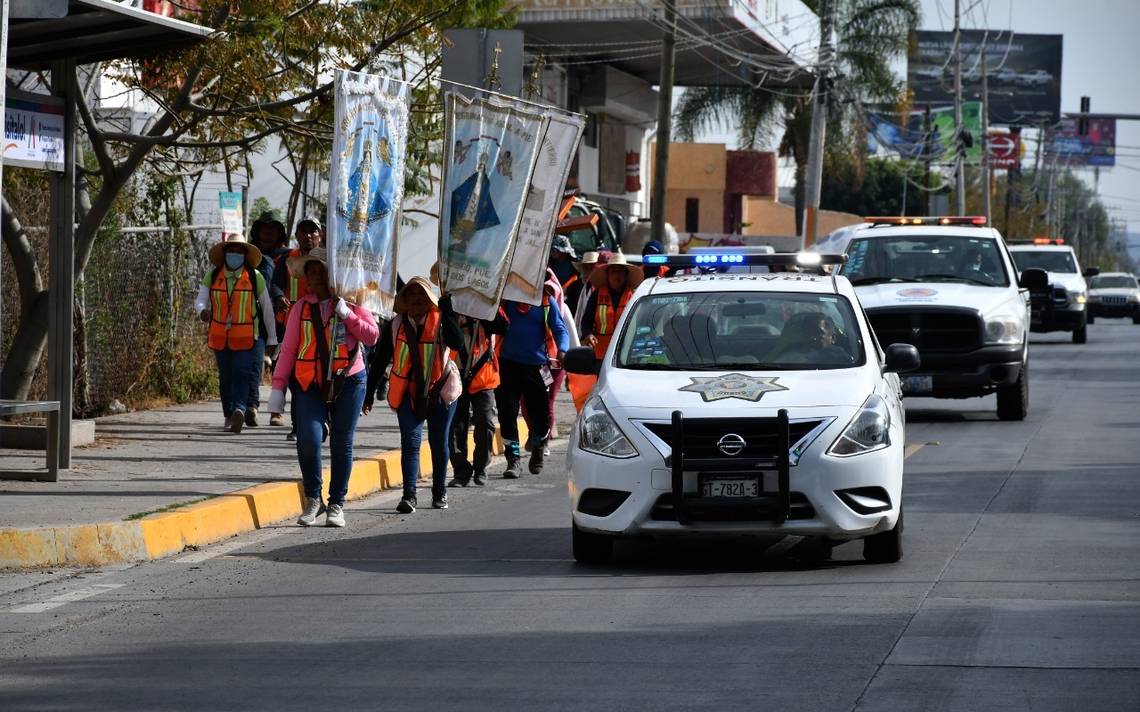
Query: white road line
[(65, 598), (217, 550)]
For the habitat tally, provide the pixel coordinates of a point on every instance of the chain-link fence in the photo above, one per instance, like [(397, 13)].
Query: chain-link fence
[(138, 339)]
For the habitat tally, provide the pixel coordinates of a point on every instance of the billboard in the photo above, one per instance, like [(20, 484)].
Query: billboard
[(1024, 73), (904, 135), (1096, 148)]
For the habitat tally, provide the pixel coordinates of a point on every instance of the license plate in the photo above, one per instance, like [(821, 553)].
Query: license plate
[(915, 385), (730, 486)]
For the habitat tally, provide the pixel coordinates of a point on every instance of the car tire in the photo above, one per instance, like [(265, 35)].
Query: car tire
[(1013, 400), (1136, 318), (1081, 335), (885, 547), (592, 548)]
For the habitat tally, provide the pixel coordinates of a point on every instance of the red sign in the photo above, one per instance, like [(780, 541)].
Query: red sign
[(1004, 149)]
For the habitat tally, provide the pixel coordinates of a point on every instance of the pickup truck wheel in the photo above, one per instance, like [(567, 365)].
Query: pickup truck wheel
[(592, 548), (1081, 335), (885, 547), (1013, 400)]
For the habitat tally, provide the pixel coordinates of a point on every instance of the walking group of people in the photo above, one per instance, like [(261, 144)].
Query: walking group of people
[(455, 374)]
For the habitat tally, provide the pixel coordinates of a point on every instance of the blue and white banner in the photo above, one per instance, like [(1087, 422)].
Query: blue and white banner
[(230, 207), (547, 185), (490, 149), (366, 188)]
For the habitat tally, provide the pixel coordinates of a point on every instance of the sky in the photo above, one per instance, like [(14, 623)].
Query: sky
[(1101, 60)]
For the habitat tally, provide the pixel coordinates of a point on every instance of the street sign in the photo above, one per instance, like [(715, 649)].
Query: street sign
[(37, 9), (33, 131), (1004, 149)]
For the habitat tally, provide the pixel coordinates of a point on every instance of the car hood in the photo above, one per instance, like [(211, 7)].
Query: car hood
[(1113, 292), (946, 294), (728, 393), (1071, 281)]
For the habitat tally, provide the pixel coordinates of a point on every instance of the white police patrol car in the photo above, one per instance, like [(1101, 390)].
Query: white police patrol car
[(1065, 306), (947, 286), (741, 404)]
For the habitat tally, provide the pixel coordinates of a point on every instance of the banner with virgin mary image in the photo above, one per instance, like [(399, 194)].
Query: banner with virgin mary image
[(366, 188), (540, 213), (491, 146)]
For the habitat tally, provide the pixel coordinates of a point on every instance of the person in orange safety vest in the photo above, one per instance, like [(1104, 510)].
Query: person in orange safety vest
[(478, 363), (290, 287)]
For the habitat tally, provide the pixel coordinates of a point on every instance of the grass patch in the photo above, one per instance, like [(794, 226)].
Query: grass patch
[(141, 515)]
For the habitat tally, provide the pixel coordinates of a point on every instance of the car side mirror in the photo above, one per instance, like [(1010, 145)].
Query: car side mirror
[(901, 358), (1034, 279), (1091, 271), (581, 360)]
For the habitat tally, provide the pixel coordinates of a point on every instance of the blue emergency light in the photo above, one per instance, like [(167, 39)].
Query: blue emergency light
[(809, 260)]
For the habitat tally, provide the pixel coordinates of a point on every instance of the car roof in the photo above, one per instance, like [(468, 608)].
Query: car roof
[(872, 231), (801, 282), (1116, 274)]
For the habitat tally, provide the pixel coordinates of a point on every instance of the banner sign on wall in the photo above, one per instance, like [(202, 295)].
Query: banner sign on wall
[(366, 188), (909, 140), (540, 211), (490, 149), (33, 131), (229, 204)]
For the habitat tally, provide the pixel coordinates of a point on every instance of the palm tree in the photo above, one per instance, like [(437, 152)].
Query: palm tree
[(869, 35)]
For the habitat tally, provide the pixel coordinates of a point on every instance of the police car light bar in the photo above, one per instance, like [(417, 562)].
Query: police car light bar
[(1048, 241), (929, 220), (786, 259)]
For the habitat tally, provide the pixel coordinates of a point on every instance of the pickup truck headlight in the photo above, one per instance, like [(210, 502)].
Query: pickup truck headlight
[(1004, 328), (599, 433), (1077, 297), (867, 432)]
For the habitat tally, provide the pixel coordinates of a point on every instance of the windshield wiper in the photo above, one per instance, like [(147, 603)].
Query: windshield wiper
[(971, 280), (875, 280)]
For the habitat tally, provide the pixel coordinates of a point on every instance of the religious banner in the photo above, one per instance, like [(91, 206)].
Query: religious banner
[(229, 205), (366, 188), (491, 146), (540, 211)]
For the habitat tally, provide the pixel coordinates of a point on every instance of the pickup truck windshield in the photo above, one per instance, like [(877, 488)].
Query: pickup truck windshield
[(1048, 260), (925, 258), (741, 331)]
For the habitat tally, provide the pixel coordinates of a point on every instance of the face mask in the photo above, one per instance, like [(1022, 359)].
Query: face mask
[(234, 260)]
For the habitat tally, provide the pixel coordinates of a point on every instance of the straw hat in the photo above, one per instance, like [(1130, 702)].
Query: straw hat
[(589, 257), (615, 260), (317, 254), (252, 254), (399, 306)]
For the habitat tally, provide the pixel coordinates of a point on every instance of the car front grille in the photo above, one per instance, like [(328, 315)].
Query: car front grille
[(1060, 296), (1114, 301), (759, 436), (663, 510), (927, 329)]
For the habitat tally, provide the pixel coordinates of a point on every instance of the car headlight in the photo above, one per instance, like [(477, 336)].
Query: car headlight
[(1004, 329), (867, 432), (1093, 298), (1077, 297), (1133, 298), (599, 433)]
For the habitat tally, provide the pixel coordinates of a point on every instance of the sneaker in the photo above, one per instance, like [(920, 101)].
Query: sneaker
[(545, 451), (536, 458), (439, 501), (251, 417), (512, 471), (456, 482), (237, 419), (292, 436), (480, 479), (335, 516), (309, 513), (407, 505), (276, 419)]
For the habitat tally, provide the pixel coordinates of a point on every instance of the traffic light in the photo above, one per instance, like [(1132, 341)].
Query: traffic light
[(1083, 120)]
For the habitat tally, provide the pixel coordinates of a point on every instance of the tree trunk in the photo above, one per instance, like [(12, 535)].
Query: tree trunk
[(31, 331)]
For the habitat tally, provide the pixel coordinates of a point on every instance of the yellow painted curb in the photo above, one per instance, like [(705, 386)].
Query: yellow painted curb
[(202, 523)]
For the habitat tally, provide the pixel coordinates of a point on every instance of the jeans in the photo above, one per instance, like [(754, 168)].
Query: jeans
[(234, 369), (521, 381), (411, 435), (478, 410), (312, 413), (253, 402)]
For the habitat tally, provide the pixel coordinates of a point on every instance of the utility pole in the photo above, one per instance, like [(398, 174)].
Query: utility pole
[(664, 125), (928, 155), (986, 197), (813, 182), (959, 163)]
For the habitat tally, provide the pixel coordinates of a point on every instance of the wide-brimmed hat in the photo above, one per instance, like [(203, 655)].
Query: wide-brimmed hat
[(317, 254), (269, 217), (562, 244), (608, 260), (400, 306), (252, 254)]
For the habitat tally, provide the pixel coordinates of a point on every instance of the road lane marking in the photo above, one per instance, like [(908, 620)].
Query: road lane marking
[(65, 598)]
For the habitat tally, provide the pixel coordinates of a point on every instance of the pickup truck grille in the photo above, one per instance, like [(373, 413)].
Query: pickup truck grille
[(927, 329)]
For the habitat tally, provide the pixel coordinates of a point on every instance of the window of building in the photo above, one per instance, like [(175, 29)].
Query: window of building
[(692, 215)]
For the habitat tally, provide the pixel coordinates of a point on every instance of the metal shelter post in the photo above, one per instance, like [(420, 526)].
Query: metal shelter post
[(61, 292)]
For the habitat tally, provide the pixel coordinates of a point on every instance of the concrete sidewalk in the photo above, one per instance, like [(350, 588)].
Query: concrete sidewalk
[(156, 482)]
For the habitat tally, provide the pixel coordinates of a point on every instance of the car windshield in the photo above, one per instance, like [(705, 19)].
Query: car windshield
[(1048, 260), (742, 331), (925, 258), (1115, 281)]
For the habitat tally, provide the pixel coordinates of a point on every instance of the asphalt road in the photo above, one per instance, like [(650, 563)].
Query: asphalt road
[(1019, 590)]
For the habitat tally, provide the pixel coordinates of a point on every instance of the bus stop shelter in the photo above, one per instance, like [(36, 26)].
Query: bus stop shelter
[(58, 35)]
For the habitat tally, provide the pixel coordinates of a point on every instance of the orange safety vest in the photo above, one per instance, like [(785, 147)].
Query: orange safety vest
[(296, 286), (606, 317), (487, 375), (402, 381), (231, 318), (308, 368)]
